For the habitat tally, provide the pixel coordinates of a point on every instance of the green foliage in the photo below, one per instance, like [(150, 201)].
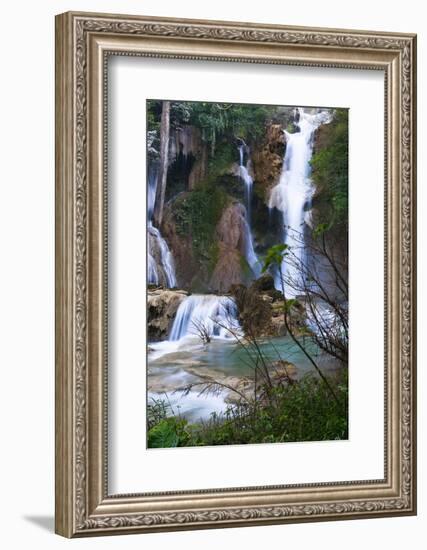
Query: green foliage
[(169, 432), (299, 411), (248, 121), (274, 256), (330, 169), (157, 410), (154, 112), (163, 434), (245, 267), (197, 214), (213, 255), (225, 155), (302, 411), (216, 119), (180, 113), (290, 303), (321, 229)]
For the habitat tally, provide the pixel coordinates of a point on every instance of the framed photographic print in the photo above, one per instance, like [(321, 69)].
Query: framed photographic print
[(235, 274)]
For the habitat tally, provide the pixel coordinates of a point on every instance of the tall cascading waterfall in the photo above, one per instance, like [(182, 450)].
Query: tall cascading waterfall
[(293, 194), (164, 267), (250, 254)]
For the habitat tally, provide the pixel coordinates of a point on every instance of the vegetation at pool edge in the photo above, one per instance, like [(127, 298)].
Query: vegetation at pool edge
[(298, 411)]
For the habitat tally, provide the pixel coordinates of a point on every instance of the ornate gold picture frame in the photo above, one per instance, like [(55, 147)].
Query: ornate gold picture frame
[(84, 42)]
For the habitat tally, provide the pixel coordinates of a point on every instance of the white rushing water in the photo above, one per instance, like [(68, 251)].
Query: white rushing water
[(246, 178), (161, 271), (250, 254), (192, 405), (198, 314), (292, 195), (167, 265), (217, 315)]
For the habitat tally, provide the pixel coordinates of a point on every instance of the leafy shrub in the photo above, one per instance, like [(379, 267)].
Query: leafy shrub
[(169, 432), (197, 214), (330, 169), (301, 411), (298, 411)]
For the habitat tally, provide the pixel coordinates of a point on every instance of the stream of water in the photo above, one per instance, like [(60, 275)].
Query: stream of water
[(188, 361), (202, 341), (292, 195), (250, 254), (161, 271)]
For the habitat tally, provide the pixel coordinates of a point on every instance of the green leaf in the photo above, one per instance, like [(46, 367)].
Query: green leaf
[(274, 256), (163, 435), (320, 229), (289, 304)]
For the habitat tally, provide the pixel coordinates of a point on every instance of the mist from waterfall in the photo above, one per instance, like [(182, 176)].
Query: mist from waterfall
[(250, 254), (166, 261), (292, 195)]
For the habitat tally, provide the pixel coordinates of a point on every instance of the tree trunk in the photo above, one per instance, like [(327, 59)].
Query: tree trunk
[(164, 159)]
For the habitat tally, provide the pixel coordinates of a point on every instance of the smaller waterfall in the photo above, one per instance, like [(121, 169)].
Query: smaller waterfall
[(216, 314), (250, 254), (153, 172), (161, 267), (246, 178), (166, 259), (153, 275)]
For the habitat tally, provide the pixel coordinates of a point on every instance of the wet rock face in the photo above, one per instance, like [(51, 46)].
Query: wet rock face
[(261, 309), (248, 389), (230, 234), (256, 311), (181, 248), (187, 141), (320, 140), (154, 247), (267, 160), (230, 229), (162, 306), (265, 284)]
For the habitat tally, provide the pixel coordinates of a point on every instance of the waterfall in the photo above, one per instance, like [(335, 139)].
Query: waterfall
[(216, 315), (246, 178), (250, 254), (166, 267), (199, 315), (153, 172), (292, 195), (161, 267)]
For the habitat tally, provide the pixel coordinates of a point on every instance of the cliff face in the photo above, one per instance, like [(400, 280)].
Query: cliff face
[(226, 258), (220, 265), (162, 307), (267, 159), (221, 156), (187, 145), (181, 247), (230, 233), (260, 308)]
